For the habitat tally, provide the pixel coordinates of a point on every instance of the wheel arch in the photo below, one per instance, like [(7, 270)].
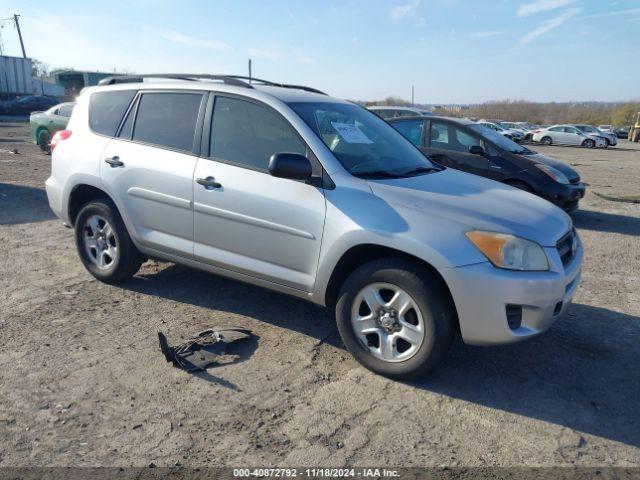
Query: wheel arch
[(82, 194), (364, 253), (513, 181)]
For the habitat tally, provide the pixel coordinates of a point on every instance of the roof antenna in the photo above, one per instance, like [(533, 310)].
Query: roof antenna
[(249, 70)]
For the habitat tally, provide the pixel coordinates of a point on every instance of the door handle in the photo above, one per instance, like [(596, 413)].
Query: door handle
[(114, 161), (495, 167), (209, 183)]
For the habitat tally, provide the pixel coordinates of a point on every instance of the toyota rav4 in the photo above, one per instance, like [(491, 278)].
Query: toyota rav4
[(285, 187)]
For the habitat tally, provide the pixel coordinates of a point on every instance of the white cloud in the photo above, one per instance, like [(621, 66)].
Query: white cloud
[(276, 54), (177, 37), (271, 54), (400, 11), (542, 6), (306, 60), (630, 11), (550, 25), (487, 34)]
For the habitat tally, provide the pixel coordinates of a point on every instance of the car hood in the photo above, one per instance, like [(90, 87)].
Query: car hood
[(569, 172), (477, 203)]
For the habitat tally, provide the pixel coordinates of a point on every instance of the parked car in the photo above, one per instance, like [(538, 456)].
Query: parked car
[(515, 135), (526, 133), (610, 138), (474, 148), (606, 128), (622, 132), (26, 105), (293, 190), (385, 111), (44, 124), (567, 135)]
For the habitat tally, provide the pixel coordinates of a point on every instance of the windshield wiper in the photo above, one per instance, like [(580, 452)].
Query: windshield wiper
[(376, 174), (421, 169)]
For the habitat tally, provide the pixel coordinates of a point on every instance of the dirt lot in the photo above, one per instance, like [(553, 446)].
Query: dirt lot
[(83, 382)]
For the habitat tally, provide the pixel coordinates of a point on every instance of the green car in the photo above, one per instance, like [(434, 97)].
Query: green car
[(44, 124)]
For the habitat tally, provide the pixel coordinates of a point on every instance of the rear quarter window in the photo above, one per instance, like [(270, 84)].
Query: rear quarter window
[(106, 110)]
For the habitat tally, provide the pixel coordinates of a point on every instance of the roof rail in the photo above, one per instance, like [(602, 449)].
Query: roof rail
[(275, 84), (236, 80), (227, 79)]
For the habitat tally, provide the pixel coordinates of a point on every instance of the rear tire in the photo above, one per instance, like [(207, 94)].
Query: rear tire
[(546, 141), (44, 141), (103, 243), (406, 315)]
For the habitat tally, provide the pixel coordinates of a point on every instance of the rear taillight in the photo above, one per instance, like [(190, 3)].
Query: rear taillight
[(537, 131), (58, 137)]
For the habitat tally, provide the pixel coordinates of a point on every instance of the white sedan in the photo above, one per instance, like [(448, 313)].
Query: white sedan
[(567, 135)]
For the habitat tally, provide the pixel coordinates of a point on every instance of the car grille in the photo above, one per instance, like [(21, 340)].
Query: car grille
[(567, 246)]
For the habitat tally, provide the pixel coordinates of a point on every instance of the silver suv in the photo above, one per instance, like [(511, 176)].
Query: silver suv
[(287, 188)]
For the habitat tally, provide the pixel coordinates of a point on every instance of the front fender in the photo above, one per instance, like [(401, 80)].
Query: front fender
[(437, 241)]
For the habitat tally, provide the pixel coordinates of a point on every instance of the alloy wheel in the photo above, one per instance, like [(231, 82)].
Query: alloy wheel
[(388, 322), (100, 242)]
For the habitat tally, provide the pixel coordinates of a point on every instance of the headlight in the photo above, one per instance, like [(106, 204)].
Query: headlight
[(554, 173), (508, 251)]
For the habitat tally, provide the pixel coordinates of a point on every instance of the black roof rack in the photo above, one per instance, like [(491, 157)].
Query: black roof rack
[(275, 84), (172, 76), (235, 80)]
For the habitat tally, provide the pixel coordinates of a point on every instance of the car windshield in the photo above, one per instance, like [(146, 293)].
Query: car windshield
[(498, 139), (363, 143)]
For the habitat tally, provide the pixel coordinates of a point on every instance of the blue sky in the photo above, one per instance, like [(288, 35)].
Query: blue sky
[(453, 51)]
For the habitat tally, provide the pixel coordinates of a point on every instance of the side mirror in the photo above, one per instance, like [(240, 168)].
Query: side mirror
[(290, 165), (476, 150)]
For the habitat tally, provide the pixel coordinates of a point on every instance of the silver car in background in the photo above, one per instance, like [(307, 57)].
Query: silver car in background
[(567, 135), (390, 111), (610, 139), (287, 188)]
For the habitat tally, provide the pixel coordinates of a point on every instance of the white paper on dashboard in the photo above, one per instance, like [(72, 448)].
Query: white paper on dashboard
[(350, 133)]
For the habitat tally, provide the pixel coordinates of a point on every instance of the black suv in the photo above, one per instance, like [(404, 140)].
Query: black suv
[(474, 148)]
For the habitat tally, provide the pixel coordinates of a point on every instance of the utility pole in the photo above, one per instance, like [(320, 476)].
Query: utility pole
[(412, 96), (15, 19), (249, 70)]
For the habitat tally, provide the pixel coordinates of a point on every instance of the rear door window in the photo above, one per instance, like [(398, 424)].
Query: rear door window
[(449, 137), (167, 119), (411, 129), (247, 134), (106, 110), (65, 110)]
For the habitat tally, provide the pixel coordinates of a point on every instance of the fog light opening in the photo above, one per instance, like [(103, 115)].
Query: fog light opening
[(514, 316), (557, 309)]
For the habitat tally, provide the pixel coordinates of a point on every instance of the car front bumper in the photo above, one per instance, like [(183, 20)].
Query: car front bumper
[(482, 294), (567, 197)]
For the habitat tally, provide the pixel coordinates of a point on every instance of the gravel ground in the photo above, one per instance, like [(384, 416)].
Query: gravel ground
[(82, 381)]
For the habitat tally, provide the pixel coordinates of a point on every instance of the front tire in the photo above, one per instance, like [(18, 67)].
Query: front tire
[(546, 141), (103, 243), (395, 318), (588, 143)]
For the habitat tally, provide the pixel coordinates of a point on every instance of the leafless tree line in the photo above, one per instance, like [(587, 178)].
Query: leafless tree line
[(592, 113)]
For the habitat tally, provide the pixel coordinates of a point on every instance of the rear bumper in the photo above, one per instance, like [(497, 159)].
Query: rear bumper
[(55, 198), (482, 292)]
